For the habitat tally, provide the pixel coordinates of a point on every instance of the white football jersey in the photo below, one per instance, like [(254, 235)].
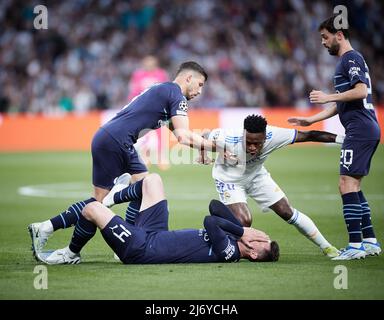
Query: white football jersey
[(248, 166)]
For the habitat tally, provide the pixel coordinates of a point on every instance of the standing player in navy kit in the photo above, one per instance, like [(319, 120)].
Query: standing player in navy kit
[(353, 99), (112, 146), (223, 238)]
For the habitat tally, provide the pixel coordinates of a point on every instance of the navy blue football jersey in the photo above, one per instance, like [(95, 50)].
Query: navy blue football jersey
[(358, 116), (182, 246), (149, 110)]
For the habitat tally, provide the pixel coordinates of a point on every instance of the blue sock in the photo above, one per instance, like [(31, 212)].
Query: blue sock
[(352, 216), (70, 217), (132, 211), (84, 231), (366, 224), (130, 193)]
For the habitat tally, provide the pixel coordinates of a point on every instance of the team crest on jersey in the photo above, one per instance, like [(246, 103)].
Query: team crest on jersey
[(227, 195)]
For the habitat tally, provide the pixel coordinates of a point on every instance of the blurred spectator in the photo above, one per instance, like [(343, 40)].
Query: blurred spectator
[(149, 74), (257, 53)]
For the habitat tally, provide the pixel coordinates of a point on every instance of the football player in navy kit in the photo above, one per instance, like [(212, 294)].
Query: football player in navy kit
[(113, 152), (148, 240), (353, 104)]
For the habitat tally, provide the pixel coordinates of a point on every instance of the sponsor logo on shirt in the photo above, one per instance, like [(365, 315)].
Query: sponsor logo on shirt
[(229, 250), (354, 71)]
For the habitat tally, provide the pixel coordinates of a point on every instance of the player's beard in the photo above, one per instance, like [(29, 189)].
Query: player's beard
[(334, 48)]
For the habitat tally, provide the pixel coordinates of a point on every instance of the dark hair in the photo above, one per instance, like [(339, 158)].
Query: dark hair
[(191, 65), (330, 26), (274, 253), (255, 124), (271, 255)]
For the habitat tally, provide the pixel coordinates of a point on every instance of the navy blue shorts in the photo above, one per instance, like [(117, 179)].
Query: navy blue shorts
[(121, 236), (154, 218), (126, 239), (111, 160), (356, 156)]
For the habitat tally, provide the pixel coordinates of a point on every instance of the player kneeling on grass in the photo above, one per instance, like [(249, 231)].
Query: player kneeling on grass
[(249, 178), (148, 240)]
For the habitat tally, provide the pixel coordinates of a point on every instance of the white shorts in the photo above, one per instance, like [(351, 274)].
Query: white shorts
[(262, 189)]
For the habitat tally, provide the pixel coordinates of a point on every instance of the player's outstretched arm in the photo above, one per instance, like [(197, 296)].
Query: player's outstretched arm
[(185, 136), (318, 136), (192, 139), (307, 121)]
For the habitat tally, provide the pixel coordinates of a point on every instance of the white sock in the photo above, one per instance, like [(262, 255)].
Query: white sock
[(307, 227), (70, 252), (371, 240), (46, 226), (356, 245)]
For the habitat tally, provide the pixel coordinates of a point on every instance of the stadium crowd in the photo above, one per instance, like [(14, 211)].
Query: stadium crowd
[(257, 53)]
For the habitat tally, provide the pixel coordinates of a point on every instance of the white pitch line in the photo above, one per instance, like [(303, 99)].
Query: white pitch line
[(77, 190)]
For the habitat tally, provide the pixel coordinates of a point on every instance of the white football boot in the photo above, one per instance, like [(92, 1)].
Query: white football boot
[(59, 256), (38, 236), (372, 249), (351, 253), (120, 182)]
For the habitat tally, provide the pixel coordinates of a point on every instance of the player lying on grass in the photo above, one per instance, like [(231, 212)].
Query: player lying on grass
[(223, 238), (249, 177)]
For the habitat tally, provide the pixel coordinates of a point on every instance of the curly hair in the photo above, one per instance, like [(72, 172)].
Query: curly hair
[(255, 124)]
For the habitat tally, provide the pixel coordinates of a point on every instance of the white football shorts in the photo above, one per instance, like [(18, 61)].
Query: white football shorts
[(262, 188)]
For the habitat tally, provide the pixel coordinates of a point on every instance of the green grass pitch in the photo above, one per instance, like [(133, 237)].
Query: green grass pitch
[(308, 175)]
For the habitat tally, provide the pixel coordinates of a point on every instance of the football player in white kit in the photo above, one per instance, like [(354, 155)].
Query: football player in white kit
[(249, 178)]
